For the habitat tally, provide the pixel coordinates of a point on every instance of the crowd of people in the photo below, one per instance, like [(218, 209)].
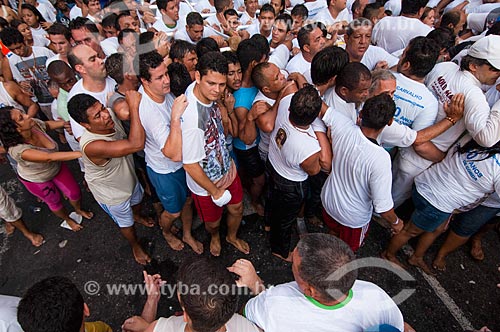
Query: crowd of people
[(329, 113)]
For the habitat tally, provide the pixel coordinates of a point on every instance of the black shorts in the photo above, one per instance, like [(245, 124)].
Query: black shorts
[(250, 161)]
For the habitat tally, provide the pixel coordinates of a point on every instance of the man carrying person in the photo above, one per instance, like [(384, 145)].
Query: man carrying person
[(211, 172), (109, 166)]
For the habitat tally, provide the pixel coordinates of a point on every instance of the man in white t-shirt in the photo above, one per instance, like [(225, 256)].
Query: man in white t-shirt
[(311, 40), (85, 61), (360, 181), (161, 119), (337, 12), (325, 296), (169, 10), (210, 171), (358, 46), (393, 33), (213, 308)]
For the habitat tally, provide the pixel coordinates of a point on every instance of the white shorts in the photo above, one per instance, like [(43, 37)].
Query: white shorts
[(122, 213), (8, 209)]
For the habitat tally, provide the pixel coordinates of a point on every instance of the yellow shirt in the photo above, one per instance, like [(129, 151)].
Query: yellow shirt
[(97, 327)]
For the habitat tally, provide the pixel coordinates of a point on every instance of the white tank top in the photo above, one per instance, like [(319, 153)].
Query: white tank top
[(7, 100)]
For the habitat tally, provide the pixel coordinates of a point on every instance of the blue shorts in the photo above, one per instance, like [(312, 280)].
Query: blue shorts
[(468, 223), (171, 189), (122, 213), (426, 216)]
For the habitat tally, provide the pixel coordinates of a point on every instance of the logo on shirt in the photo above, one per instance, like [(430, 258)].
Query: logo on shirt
[(280, 138)]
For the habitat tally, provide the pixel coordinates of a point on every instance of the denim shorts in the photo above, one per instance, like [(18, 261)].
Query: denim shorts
[(171, 189), (468, 223), (426, 216)]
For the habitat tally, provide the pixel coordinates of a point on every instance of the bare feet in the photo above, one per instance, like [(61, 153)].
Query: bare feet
[(419, 262), (9, 228), (239, 244), (439, 263), (140, 256), (197, 246), (393, 259), (174, 230), (258, 208), (75, 227), (86, 214), (36, 239), (173, 241), (476, 251), (215, 247), (143, 220), (288, 259)]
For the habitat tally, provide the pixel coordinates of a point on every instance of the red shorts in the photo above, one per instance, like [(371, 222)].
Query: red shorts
[(354, 237), (206, 208)]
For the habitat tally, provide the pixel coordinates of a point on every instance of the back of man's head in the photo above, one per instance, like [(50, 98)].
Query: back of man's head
[(179, 78), (206, 45), (305, 106), (378, 111), (216, 301), (351, 75), (51, 305), (221, 5), (78, 106), (326, 265), (412, 7), (248, 51), (422, 54), (179, 49), (11, 36), (327, 63)]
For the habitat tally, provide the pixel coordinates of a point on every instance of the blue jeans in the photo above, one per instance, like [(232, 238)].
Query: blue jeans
[(468, 223)]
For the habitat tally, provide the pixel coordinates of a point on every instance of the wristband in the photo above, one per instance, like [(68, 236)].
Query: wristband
[(397, 221), (451, 120)]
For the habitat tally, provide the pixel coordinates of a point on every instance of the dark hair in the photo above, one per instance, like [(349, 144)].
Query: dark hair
[(57, 67), (468, 60), (162, 4), (180, 48), (59, 29), (179, 78), (125, 32), (258, 75), (35, 11), (305, 106), (81, 22), (51, 305), (221, 4), (15, 23), (305, 31), (300, 10), (115, 67), (208, 310), (378, 111), (262, 43), (247, 52), (422, 54), (147, 61), (146, 37), (351, 74), (122, 14), (78, 106), (267, 8), (323, 256), (327, 63), (412, 7), (358, 23), (205, 45), (451, 17), (484, 152), (11, 36), (287, 19), (494, 29), (3, 23), (212, 61), (109, 20), (443, 37), (231, 12), (371, 10), (194, 18), (231, 57), (8, 129)]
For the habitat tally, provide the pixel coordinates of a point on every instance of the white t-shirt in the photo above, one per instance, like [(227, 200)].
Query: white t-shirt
[(361, 178), (75, 12), (325, 17), (245, 19), (332, 99), (46, 12), (314, 8), (280, 56), (394, 6), (286, 308), (110, 45), (299, 65), (237, 323), (204, 141), (39, 31), (264, 137), (393, 33), (182, 34), (460, 181), (102, 96), (289, 146), (492, 95), (41, 41), (375, 54), (8, 314), (155, 119), (416, 106), (161, 26), (204, 4)]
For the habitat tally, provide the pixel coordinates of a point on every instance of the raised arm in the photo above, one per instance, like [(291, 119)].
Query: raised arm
[(173, 145)]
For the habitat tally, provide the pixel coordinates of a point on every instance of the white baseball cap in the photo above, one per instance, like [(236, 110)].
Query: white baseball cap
[(487, 48)]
